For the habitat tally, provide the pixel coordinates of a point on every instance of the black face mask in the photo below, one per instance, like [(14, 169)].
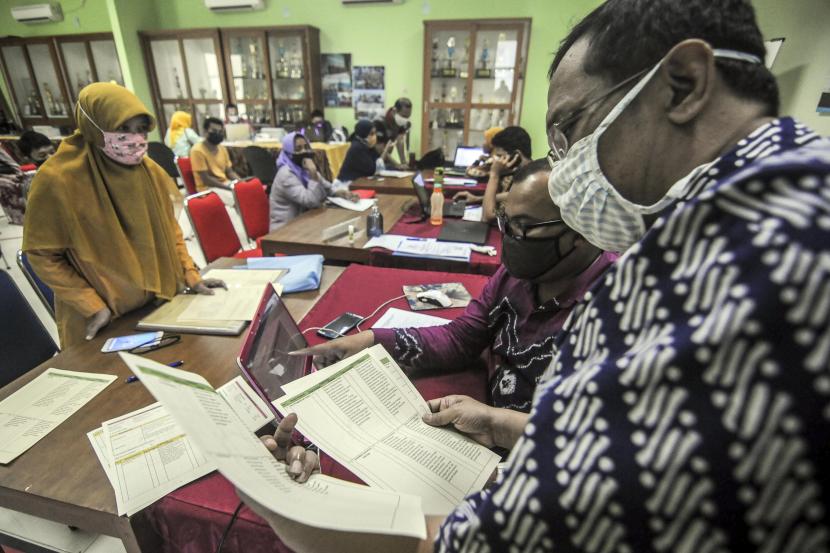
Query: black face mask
[(530, 259), (298, 158), (216, 137)]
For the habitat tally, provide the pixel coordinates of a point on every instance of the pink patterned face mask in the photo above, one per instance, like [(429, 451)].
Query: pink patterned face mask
[(127, 148)]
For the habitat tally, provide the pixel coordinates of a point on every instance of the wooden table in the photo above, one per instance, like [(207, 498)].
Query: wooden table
[(304, 235), (60, 478), (403, 185)]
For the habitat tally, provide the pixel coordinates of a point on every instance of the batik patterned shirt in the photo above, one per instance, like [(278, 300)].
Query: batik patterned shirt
[(687, 405)]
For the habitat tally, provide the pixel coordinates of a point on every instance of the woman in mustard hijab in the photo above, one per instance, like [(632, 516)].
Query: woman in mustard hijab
[(180, 137), (99, 226)]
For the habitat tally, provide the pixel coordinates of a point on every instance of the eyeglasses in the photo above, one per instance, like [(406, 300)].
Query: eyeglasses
[(517, 229), (153, 345), (558, 140)]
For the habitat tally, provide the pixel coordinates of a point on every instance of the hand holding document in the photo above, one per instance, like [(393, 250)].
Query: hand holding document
[(238, 302), (40, 406), (217, 431), (366, 414)]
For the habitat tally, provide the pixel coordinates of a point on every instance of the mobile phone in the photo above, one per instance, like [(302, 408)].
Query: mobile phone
[(124, 343), (340, 326)]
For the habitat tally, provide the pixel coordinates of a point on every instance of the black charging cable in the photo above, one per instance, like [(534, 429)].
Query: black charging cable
[(228, 528)]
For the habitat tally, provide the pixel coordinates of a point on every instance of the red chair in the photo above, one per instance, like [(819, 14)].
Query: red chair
[(213, 227), (252, 205), (186, 171)]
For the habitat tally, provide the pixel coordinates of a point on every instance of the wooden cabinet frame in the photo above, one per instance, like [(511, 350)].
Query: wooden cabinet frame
[(473, 26), (86, 40)]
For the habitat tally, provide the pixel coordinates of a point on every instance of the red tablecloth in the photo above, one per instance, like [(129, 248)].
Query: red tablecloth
[(409, 225), (192, 519)]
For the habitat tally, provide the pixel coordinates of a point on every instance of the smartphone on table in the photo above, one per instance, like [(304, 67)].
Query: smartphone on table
[(340, 326), (124, 343)]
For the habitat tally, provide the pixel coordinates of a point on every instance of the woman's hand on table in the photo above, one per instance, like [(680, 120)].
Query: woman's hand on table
[(300, 462), (98, 321), (469, 197), (205, 287), (346, 195), (333, 351)]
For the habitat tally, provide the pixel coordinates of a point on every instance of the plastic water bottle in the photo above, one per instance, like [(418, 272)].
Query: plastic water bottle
[(374, 222), (436, 201)]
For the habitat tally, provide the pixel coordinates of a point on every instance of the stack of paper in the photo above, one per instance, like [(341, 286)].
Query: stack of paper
[(146, 455), (366, 414), (238, 303), (322, 502), (40, 406), (359, 205), (395, 174), (421, 247)]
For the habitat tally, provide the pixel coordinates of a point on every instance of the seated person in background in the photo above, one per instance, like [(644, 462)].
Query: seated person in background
[(398, 127), (180, 137), (318, 130), (210, 160), (14, 187), (481, 168), (365, 155), (36, 147), (99, 225), (511, 151), (547, 269), (298, 185), (232, 114)]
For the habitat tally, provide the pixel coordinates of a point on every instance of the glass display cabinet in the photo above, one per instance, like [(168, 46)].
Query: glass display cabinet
[(35, 80), (88, 59), (186, 74), (46, 74), (473, 79)]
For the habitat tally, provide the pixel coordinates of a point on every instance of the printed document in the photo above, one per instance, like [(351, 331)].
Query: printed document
[(366, 414), (238, 302), (429, 247), (385, 241), (150, 457), (322, 502), (245, 402), (399, 318), (359, 205), (395, 174), (37, 408)]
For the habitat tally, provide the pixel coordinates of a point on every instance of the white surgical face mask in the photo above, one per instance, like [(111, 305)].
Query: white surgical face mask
[(589, 202), (400, 120)]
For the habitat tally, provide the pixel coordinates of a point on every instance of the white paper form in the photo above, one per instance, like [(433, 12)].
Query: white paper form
[(238, 302), (150, 457), (322, 502), (395, 174), (40, 406), (99, 446), (386, 241), (366, 414), (399, 318), (429, 247), (359, 205), (252, 410)]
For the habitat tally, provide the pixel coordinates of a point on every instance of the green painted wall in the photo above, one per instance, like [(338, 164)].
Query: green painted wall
[(803, 64), (392, 36)]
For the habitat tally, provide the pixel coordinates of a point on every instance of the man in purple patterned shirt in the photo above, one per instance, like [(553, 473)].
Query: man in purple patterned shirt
[(547, 269)]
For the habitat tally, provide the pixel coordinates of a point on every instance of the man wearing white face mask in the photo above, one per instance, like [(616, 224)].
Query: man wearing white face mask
[(687, 405)]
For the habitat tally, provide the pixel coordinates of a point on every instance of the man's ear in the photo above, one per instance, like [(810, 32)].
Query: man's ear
[(689, 71)]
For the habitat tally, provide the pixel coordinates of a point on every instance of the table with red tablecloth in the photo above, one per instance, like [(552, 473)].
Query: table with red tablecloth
[(194, 517), (412, 225)]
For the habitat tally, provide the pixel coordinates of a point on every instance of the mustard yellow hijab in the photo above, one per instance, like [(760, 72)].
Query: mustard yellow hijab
[(115, 216), (178, 123)]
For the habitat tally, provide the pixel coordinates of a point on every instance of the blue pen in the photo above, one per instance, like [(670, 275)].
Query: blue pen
[(175, 364), (130, 379)]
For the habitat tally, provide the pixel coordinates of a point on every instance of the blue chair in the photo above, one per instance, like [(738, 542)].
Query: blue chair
[(47, 297), (24, 341)]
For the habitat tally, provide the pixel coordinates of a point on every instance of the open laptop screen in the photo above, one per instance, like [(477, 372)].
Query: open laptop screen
[(264, 358), (466, 156)]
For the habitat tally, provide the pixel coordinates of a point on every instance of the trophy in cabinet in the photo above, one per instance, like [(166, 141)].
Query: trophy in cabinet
[(435, 71), (282, 65), (453, 94), (449, 70), (465, 60), (296, 64), (49, 98), (483, 71), (203, 92), (178, 83), (33, 104)]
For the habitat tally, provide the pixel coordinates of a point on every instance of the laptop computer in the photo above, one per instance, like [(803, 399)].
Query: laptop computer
[(451, 208), (236, 132), (464, 157), (464, 231), (264, 359)]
